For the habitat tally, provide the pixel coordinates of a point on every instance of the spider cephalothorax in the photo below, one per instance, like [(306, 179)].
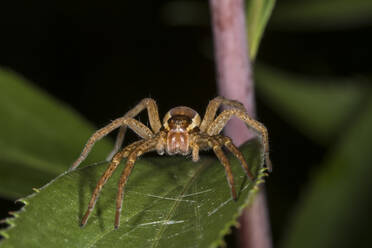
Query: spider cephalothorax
[(179, 122), (182, 132)]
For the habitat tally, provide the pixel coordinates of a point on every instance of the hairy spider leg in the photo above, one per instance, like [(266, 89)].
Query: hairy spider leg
[(204, 142), (216, 146), (146, 146), (135, 125), (195, 153), (153, 114), (106, 175), (220, 122), (212, 108), (237, 153)]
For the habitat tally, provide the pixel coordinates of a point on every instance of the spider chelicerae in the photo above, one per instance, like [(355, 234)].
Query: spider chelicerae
[(182, 132)]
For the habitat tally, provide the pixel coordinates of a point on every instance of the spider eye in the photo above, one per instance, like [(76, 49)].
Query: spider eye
[(179, 122)]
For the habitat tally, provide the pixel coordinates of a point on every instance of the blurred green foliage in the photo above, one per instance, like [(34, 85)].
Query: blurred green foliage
[(339, 114), (333, 208), (319, 107), (39, 136), (311, 15)]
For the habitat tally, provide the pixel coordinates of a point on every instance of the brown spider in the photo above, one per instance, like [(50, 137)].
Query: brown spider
[(182, 132)]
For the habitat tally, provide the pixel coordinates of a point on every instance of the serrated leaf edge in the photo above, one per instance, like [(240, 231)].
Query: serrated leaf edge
[(10, 221), (249, 200)]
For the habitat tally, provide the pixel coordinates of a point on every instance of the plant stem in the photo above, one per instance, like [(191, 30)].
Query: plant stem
[(234, 79)]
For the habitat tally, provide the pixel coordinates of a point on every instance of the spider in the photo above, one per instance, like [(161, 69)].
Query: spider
[(182, 132)]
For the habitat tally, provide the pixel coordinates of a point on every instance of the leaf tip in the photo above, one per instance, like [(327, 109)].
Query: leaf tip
[(262, 173)]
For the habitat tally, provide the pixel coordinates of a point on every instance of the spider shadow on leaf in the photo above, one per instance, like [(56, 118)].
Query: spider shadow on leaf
[(87, 182), (89, 175)]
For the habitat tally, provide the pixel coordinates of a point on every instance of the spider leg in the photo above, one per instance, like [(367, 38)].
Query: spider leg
[(153, 114), (216, 146), (106, 175), (198, 142), (160, 146), (220, 122), (195, 153), (129, 148), (135, 125), (234, 150), (212, 108), (146, 146)]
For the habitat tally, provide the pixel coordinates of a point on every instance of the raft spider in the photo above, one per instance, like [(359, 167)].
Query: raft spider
[(182, 132)]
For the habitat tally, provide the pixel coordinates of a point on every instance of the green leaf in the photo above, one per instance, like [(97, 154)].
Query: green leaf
[(322, 15), (318, 107), (169, 202), (335, 212), (39, 136), (258, 14)]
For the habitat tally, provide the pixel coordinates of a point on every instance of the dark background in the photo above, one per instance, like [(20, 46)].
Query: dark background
[(101, 58)]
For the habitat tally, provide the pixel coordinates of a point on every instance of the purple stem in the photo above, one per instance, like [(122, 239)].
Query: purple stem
[(234, 78)]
